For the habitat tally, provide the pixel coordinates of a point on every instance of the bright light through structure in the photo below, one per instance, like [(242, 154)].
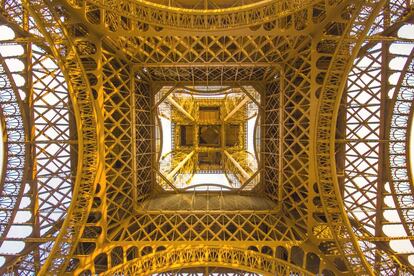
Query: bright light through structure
[(50, 106), (208, 137), (396, 228)]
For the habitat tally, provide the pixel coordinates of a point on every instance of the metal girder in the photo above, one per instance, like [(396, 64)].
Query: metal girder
[(240, 105), (91, 141), (180, 165), (160, 15), (180, 108), (237, 165), (208, 256)]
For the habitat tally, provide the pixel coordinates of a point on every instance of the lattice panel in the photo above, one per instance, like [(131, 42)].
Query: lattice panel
[(128, 139), (118, 133), (66, 55), (304, 78), (175, 227), (144, 140), (363, 171), (271, 139), (400, 163), (295, 146), (159, 50), (363, 134), (367, 260), (134, 255), (398, 211), (138, 17), (52, 147), (14, 133), (209, 74), (52, 117)]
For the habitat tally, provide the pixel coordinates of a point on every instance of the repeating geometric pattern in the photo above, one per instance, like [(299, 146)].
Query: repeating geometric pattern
[(400, 177), (295, 128), (362, 134), (374, 258), (48, 194), (211, 271), (128, 167), (330, 120), (13, 130), (364, 178), (182, 257), (117, 105), (258, 228), (138, 17), (62, 243)]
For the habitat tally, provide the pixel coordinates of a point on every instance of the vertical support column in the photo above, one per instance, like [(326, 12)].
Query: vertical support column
[(99, 98), (134, 138), (223, 137), (314, 101), (261, 127), (281, 135), (196, 129), (270, 138), (154, 116), (144, 139), (341, 144), (382, 150), (31, 148)]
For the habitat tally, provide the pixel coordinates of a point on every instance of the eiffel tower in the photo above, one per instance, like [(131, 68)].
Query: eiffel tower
[(214, 137)]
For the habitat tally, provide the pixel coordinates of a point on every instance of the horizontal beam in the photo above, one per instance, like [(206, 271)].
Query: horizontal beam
[(180, 165), (207, 65), (237, 165), (237, 108), (180, 108), (385, 239)]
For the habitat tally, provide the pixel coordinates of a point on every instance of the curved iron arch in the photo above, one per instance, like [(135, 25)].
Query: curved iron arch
[(226, 257)]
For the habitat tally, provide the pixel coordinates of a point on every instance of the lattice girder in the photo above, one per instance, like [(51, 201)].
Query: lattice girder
[(58, 243), (110, 65)]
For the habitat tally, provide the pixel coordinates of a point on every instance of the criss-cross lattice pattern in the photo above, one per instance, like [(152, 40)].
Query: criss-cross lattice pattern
[(256, 228), (333, 123)]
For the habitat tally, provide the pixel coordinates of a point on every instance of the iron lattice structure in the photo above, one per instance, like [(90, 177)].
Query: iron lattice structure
[(80, 193), (208, 136)]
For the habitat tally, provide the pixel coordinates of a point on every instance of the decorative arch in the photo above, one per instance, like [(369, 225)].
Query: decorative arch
[(182, 18), (217, 256)]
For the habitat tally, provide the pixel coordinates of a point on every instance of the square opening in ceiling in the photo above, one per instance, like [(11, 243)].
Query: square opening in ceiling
[(186, 136), (209, 135), (208, 161), (205, 131), (209, 113), (232, 135)]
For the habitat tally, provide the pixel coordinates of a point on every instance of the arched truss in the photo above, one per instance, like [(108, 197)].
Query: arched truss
[(104, 65), (400, 131), (14, 164), (86, 120), (217, 271), (19, 190), (363, 172), (207, 256), (59, 127), (139, 15)]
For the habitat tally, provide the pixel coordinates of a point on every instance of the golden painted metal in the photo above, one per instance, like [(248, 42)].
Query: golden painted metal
[(315, 205)]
